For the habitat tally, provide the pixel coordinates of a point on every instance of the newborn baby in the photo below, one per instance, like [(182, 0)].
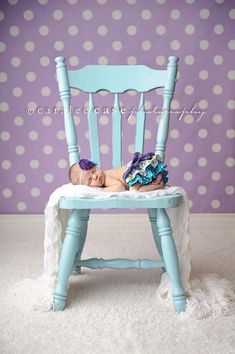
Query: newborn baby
[(144, 173)]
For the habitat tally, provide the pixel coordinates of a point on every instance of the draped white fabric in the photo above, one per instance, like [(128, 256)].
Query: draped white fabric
[(207, 294)]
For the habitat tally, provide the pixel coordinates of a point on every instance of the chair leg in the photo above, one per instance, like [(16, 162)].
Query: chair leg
[(67, 257), (152, 213), (81, 241), (171, 259)]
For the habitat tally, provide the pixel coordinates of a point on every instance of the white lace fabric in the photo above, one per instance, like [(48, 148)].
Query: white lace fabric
[(207, 294)]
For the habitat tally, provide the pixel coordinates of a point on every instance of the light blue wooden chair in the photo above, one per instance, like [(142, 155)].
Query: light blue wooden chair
[(117, 79)]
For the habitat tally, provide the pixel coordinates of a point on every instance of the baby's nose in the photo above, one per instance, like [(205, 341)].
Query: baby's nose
[(95, 176)]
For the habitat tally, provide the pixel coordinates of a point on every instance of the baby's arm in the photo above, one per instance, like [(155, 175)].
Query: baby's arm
[(115, 188)]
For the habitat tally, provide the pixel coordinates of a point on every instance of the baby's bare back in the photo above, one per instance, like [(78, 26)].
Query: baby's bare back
[(115, 175)]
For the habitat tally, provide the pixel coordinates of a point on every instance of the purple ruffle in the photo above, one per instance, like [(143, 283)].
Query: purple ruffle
[(138, 157)]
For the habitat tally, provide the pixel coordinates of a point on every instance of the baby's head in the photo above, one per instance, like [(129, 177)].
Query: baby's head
[(87, 173)]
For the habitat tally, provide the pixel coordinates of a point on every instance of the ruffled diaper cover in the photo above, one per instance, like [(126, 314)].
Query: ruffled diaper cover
[(144, 168)]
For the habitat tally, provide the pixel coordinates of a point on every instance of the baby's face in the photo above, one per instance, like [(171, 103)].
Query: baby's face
[(94, 177)]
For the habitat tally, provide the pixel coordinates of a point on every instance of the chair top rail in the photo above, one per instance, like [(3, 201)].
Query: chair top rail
[(116, 78)]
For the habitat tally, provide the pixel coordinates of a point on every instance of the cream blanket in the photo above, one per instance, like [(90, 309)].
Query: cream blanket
[(207, 294)]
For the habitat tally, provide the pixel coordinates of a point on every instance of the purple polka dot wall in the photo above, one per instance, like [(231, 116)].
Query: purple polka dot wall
[(200, 148)]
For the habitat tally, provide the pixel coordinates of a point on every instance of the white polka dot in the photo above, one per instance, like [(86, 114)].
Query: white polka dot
[(1, 16), (189, 59), (5, 136), (3, 77), (219, 1), (131, 148), (203, 104), (17, 91), (188, 119), (104, 120), (28, 15), (117, 15), (62, 163), (35, 192), (215, 203), (58, 15), (217, 89), (2, 47), (32, 105), (18, 121), (103, 60), (47, 149), (229, 190), (59, 45), (146, 14), (46, 120), (131, 60), (175, 45), (21, 206), (87, 15), (88, 46), (174, 133), (20, 149), (147, 134), (231, 104), (12, 2), (48, 178), (218, 29), (73, 2), (204, 44), (103, 30), (232, 14), (102, 2), (202, 133), (16, 62), (215, 176), (6, 164), (174, 161), (231, 75), (201, 190), (117, 45), (74, 61), (60, 135), (230, 162), (43, 2), (189, 90), (189, 29), (203, 74), (43, 30), (45, 91), (218, 59), (217, 119), (188, 147), (230, 133), (161, 2), (132, 119), (34, 164), (20, 178), (160, 30), (29, 46), (44, 61), (190, 203), (4, 106), (204, 14), (175, 14), (33, 135), (231, 44), (188, 176), (14, 31), (160, 60), (146, 45), (131, 30), (104, 149), (73, 30), (7, 192), (202, 161), (216, 147), (30, 76), (131, 2)]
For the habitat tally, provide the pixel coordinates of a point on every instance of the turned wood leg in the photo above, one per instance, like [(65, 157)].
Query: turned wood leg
[(171, 259), (81, 241), (152, 213), (67, 257)]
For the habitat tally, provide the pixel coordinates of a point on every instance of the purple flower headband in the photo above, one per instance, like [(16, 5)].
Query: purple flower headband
[(85, 165)]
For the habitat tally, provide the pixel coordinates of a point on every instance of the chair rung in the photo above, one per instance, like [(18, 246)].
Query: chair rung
[(120, 263)]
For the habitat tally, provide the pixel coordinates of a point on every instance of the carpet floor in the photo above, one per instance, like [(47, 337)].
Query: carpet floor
[(109, 311)]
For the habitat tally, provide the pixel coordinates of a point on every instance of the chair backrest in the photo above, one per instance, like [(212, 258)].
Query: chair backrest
[(115, 79)]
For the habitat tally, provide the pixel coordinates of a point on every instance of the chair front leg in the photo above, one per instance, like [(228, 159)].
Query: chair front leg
[(81, 241), (152, 213), (67, 257), (171, 259)]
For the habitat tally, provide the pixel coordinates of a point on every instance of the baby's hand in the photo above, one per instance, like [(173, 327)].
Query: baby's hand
[(157, 180)]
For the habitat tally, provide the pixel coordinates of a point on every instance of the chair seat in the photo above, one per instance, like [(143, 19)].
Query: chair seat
[(116, 201)]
